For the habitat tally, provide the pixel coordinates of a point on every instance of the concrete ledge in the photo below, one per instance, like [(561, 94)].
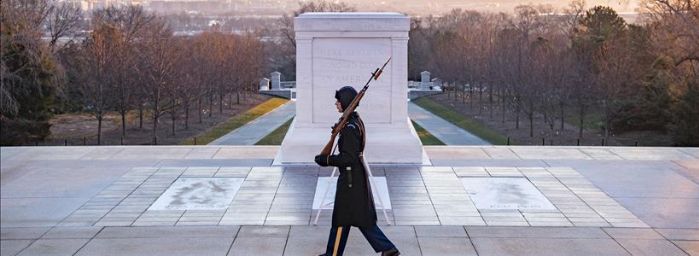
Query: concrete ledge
[(286, 94)]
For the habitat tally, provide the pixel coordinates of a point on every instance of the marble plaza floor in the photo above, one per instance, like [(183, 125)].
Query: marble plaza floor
[(230, 200)]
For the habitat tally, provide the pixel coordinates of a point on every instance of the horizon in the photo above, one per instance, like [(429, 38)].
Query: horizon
[(410, 7)]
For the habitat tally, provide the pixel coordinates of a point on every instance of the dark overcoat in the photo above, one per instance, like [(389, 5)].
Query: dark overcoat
[(354, 203)]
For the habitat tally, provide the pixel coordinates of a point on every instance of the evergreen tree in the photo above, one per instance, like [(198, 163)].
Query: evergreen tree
[(30, 74), (686, 124), (651, 109)]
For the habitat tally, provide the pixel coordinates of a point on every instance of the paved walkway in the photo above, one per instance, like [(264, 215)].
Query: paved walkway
[(442, 129), (96, 201), (254, 131), (251, 133)]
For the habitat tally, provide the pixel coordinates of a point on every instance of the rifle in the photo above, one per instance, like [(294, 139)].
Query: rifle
[(348, 111)]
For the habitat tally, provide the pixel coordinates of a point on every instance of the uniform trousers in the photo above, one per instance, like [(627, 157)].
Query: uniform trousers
[(379, 242)]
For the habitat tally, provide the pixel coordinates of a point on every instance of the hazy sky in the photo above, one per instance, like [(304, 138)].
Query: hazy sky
[(620, 6), (436, 6), (411, 7)]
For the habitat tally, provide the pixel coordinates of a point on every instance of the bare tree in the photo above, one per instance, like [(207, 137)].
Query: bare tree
[(157, 65), (675, 24), (64, 20), (100, 71), (188, 65)]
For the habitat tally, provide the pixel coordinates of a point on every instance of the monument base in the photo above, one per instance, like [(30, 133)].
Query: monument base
[(386, 144)]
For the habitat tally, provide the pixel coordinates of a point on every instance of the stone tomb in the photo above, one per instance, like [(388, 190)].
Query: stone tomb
[(339, 49)]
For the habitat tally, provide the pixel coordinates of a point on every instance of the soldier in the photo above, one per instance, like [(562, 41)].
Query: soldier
[(354, 203)]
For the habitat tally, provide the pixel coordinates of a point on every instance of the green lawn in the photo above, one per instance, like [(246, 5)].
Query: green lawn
[(594, 119), (277, 136), (461, 121), (235, 122), (426, 137)]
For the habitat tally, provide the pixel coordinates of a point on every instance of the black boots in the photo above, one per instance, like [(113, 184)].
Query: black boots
[(391, 252)]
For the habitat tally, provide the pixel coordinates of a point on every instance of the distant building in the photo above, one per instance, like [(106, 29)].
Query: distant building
[(90, 5), (178, 6), (259, 7)]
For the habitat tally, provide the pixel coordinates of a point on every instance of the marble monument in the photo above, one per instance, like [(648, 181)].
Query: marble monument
[(339, 49), (276, 80)]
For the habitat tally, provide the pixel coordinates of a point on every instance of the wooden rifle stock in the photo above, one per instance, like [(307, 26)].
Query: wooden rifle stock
[(329, 146), (327, 150)]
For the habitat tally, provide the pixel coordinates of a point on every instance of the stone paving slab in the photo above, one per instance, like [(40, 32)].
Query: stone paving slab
[(564, 152), (252, 246), (690, 169), (633, 233), (652, 153), (665, 212), (634, 178), (440, 231), (9, 233), (307, 240), (690, 247), (144, 232), (609, 201), (12, 247), (158, 246), (540, 246), (269, 152), (445, 246), (433, 195), (536, 232), (549, 153), (71, 232), (256, 152), (310, 240), (54, 247), (650, 247), (37, 212), (490, 162), (692, 151), (679, 234)]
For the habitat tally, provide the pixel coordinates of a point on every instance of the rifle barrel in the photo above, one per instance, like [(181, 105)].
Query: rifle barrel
[(353, 105)]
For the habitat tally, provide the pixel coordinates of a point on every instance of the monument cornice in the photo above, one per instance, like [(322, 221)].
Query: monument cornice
[(352, 22), (356, 34)]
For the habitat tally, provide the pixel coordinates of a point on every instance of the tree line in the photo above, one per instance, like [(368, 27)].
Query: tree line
[(569, 66), (538, 61), (127, 61)]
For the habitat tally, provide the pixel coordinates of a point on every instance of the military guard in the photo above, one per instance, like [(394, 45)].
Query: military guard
[(354, 203)]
